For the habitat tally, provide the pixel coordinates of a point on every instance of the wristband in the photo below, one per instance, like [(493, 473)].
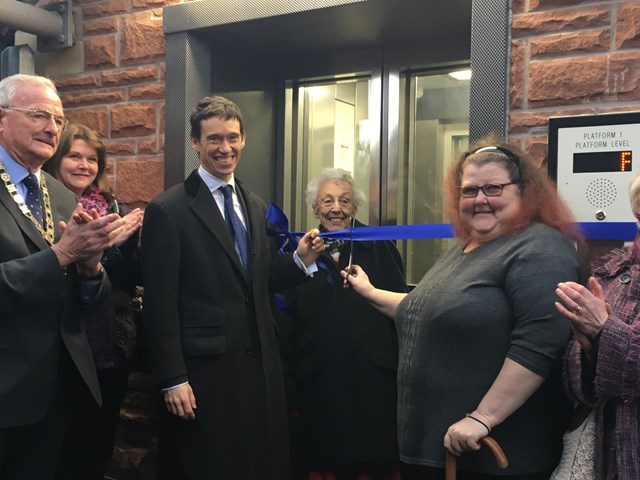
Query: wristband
[(468, 415)]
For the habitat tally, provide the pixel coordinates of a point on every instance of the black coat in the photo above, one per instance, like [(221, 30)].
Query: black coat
[(341, 358), (40, 313), (205, 323)]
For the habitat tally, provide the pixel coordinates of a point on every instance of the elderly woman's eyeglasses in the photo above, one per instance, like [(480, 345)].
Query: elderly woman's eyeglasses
[(42, 118), (490, 190)]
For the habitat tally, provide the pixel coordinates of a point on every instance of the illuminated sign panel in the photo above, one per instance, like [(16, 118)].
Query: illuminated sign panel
[(602, 162), (591, 160)]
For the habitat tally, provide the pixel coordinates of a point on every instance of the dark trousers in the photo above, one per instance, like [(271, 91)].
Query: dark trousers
[(30, 452), (88, 443)]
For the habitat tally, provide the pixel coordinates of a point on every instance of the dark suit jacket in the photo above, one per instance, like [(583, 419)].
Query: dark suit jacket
[(205, 323), (39, 313)]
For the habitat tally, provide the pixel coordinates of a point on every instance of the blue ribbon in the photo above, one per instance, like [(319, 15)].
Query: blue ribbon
[(609, 231), (288, 240)]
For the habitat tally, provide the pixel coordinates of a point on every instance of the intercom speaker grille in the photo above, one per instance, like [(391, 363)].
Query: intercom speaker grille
[(601, 192)]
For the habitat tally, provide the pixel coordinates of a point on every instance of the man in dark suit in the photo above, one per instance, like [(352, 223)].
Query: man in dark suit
[(210, 333), (49, 269)]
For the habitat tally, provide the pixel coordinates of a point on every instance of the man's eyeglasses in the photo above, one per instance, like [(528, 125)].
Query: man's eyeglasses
[(42, 118), (490, 190)]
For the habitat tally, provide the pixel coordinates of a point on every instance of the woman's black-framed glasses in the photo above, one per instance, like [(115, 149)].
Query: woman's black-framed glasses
[(489, 190)]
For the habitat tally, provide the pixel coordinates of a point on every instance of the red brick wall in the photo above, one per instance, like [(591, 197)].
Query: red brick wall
[(121, 91), (571, 57)]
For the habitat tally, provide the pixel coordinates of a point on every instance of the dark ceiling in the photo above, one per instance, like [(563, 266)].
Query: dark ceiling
[(369, 24)]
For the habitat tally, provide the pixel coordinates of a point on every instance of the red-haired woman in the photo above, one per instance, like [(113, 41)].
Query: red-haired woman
[(480, 338)]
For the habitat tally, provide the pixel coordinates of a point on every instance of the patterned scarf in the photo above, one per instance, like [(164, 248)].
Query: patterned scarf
[(333, 246), (92, 198)]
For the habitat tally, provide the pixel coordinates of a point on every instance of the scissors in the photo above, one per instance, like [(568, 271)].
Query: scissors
[(353, 222)]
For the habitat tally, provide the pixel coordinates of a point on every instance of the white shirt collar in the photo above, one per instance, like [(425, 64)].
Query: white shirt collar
[(212, 182)]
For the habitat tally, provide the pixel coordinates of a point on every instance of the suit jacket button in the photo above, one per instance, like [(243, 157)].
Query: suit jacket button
[(248, 350)]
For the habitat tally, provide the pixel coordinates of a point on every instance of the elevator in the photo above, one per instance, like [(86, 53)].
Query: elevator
[(365, 85)]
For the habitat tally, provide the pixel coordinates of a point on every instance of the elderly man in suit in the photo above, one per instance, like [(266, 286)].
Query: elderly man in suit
[(49, 268), (210, 333)]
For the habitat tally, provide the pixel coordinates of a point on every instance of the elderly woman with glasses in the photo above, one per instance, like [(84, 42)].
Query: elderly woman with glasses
[(480, 339), (341, 354)]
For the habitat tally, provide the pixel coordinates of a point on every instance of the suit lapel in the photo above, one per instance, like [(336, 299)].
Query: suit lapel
[(28, 228), (205, 208)]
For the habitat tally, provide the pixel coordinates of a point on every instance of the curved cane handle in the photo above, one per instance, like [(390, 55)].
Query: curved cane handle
[(498, 454)]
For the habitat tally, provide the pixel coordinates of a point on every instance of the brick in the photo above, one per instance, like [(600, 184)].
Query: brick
[(518, 6), (95, 117), (100, 52), (100, 26), (516, 83), (545, 4), (628, 25), (77, 81), (130, 75), (84, 2), (139, 179), (93, 97), (624, 75), (122, 147), (142, 37), (524, 121), (147, 92), (133, 120), (536, 147), (569, 43), (562, 20), (104, 9), (148, 146), (144, 4), (567, 81)]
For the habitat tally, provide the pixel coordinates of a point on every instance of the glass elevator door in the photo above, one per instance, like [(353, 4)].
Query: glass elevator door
[(331, 123), (396, 131)]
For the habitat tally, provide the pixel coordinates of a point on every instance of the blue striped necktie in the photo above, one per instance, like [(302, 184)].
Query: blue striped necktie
[(33, 197), (236, 229)]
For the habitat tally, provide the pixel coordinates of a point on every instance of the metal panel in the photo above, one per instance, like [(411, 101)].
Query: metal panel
[(188, 79), (209, 13), (490, 58)]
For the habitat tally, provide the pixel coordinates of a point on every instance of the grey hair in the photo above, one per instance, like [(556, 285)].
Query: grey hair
[(634, 194), (9, 86), (333, 174)]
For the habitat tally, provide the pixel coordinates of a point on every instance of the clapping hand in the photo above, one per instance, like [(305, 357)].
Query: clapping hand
[(132, 222), (85, 237), (586, 310)]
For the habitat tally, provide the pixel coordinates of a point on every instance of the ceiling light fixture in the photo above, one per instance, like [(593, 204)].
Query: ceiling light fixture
[(461, 74)]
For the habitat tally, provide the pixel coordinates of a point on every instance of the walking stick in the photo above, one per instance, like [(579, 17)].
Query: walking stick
[(498, 454)]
